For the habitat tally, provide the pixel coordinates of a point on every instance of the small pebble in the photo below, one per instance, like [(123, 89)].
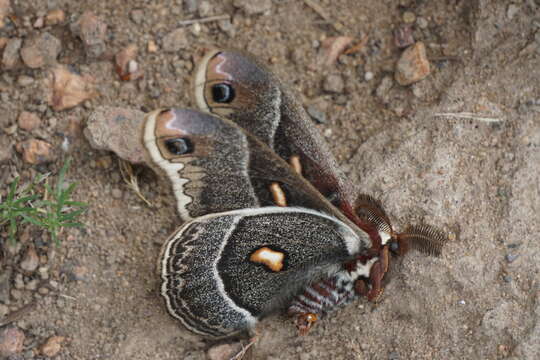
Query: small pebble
[(43, 272), (28, 121), (327, 132), (52, 346), (104, 162), (417, 91), (5, 285), (511, 11), (4, 310), (393, 356), (16, 294), (413, 65), (333, 83), (507, 278), (25, 80), (227, 27), (204, 9), (175, 40), (332, 48), (196, 29), (30, 261), (36, 151), (66, 89), (368, 76), (10, 57), (116, 193), (137, 16), (55, 17), (39, 23), (422, 23), (403, 36), (409, 17), (19, 282), (43, 291), (78, 273), (152, 46), (510, 258), (384, 87), (40, 50), (190, 6), (126, 66), (461, 302), (316, 114), (11, 341), (5, 9), (93, 33)]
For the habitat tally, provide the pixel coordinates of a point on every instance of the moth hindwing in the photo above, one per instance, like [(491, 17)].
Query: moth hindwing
[(223, 272)]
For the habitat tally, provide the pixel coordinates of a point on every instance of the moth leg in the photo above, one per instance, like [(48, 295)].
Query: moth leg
[(278, 194), (360, 287), (375, 278), (384, 256), (304, 322), (295, 164)]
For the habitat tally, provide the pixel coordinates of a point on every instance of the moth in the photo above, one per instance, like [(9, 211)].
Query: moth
[(271, 222)]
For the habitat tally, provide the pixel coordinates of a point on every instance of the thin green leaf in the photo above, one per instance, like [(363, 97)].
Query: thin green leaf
[(72, 224), (75, 203), (25, 199), (13, 188), (32, 220)]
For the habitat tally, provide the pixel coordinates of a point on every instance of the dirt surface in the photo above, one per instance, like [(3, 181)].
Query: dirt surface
[(477, 176)]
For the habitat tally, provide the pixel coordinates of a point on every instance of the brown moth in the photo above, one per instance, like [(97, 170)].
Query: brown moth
[(240, 257)]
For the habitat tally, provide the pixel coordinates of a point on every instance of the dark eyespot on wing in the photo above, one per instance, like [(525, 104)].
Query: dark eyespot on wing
[(223, 93), (179, 146)]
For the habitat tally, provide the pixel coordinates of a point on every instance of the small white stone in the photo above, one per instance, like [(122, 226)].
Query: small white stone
[(368, 76)]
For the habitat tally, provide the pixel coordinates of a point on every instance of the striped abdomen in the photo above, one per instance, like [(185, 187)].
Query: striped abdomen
[(327, 295), (322, 297)]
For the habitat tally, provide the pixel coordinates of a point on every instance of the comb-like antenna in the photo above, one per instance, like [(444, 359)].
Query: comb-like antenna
[(424, 238), (371, 211)]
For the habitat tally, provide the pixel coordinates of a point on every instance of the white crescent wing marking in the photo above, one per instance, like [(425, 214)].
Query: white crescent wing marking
[(171, 169)]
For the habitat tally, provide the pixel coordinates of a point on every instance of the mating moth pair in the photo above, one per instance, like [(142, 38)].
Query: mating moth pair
[(271, 222)]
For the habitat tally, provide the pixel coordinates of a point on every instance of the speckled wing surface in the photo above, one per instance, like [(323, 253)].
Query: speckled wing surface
[(235, 85), (214, 165), (248, 263)]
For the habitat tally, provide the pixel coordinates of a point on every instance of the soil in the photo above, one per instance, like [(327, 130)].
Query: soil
[(459, 150)]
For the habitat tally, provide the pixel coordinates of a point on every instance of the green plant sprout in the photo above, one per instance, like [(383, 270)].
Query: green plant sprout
[(53, 212), (16, 205)]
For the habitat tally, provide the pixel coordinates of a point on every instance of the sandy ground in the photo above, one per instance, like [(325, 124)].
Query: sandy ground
[(477, 177)]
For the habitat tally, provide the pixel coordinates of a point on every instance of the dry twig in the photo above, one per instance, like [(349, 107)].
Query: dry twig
[(320, 11), (472, 116), (126, 171), (204, 20)]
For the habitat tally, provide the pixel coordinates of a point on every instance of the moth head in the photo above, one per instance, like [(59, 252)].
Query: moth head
[(228, 81), (398, 245)]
